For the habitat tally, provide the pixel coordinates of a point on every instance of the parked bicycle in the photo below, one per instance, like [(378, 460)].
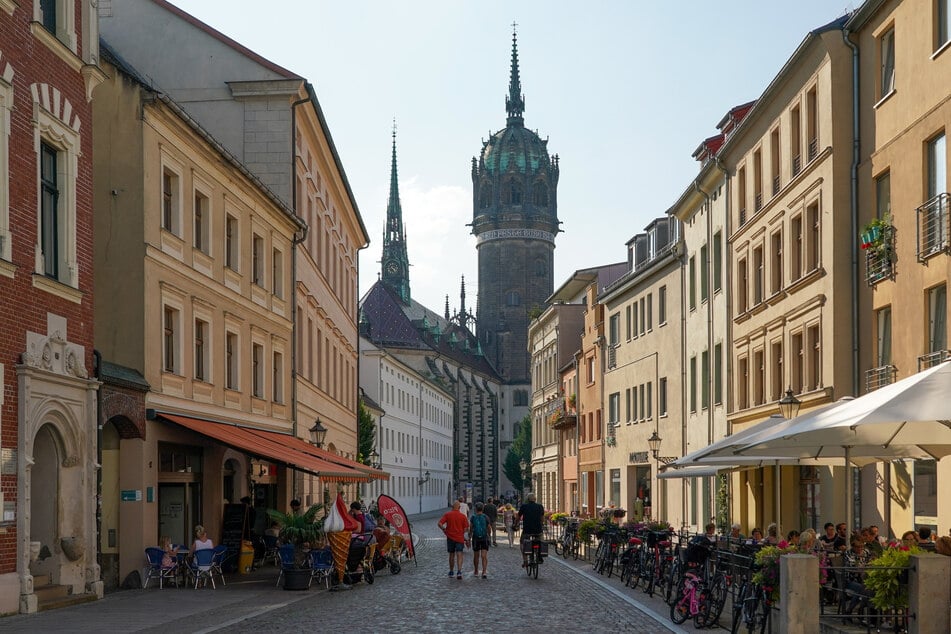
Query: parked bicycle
[(693, 598), (568, 544)]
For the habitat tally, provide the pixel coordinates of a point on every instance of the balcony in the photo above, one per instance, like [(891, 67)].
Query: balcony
[(878, 242), (612, 357), (932, 359), (879, 377), (933, 227), (559, 414)]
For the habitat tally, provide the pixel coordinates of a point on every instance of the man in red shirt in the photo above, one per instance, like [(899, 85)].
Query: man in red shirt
[(454, 524)]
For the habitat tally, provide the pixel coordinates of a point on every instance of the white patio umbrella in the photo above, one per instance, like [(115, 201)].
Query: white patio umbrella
[(907, 419)]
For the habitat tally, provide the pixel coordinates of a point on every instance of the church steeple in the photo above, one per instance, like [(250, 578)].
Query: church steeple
[(515, 101), (395, 260)]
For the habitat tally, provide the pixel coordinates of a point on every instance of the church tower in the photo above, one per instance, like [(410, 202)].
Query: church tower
[(395, 261), (515, 220)]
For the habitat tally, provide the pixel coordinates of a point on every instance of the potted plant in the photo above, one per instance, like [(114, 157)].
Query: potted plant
[(586, 529), (875, 234), (887, 578), (571, 402), (304, 532)]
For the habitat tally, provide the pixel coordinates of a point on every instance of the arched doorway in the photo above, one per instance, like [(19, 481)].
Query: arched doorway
[(44, 524)]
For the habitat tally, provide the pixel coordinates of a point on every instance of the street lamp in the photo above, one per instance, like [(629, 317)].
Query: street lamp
[(374, 459), (423, 480), (523, 465), (789, 405), (318, 433), (654, 443)]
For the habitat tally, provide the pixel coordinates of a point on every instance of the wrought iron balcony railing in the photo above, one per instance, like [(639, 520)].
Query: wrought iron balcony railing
[(796, 164), (879, 377), (559, 415), (934, 228), (932, 359), (813, 148), (758, 201), (775, 184)]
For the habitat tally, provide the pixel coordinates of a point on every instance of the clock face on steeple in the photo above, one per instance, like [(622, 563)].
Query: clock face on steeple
[(392, 268)]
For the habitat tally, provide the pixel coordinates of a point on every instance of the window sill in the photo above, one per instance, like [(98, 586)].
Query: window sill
[(7, 269), (57, 288), (941, 49), (8, 6), (53, 43), (884, 98)]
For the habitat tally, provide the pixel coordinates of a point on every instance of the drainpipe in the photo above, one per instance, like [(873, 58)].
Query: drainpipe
[(727, 295), (684, 260), (298, 239), (97, 373), (709, 261), (854, 222)]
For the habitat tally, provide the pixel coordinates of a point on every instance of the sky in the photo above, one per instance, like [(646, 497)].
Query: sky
[(625, 91)]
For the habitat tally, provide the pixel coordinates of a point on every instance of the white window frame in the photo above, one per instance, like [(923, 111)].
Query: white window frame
[(65, 138), (65, 22), (886, 53), (170, 309)]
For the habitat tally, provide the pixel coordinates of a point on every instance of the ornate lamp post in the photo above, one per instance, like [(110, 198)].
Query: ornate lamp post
[(789, 405), (654, 443), (421, 481), (318, 433)]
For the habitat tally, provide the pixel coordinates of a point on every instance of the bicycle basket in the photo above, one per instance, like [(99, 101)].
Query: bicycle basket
[(653, 537), (697, 553)]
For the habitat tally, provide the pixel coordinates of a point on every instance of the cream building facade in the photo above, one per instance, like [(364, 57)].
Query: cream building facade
[(193, 288), (554, 337), (794, 288), (642, 375), (904, 56), (702, 212)]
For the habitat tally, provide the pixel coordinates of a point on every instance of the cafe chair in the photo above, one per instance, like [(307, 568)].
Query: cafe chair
[(221, 553), (201, 566), (322, 566), (286, 553), (270, 550), (155, 569)]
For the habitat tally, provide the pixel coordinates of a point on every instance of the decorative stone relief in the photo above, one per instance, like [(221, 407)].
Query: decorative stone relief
[(73, 547), (54, 354)]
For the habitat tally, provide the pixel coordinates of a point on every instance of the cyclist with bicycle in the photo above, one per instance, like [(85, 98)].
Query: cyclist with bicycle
[(530, 516)]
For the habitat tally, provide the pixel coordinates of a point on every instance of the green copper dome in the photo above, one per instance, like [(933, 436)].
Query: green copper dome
[(515, 149)]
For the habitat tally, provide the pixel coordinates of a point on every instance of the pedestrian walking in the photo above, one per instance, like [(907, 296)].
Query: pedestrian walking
[(492, 513), (508, 520), (463, 507), (454, 525), (479, 537)]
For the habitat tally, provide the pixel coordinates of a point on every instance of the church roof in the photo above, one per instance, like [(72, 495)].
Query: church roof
[(388, 322)]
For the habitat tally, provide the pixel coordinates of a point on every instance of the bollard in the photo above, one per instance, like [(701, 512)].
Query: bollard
[(799, 594), (929, 588)]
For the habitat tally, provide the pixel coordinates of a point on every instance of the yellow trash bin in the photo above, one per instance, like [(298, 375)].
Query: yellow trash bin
[(246, 557)]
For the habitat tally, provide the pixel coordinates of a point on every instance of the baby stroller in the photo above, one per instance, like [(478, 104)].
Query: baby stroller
[(360, 559), (389, 554)]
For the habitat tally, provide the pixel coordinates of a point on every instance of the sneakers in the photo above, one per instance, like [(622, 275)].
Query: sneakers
[(459, 576), (484, 577), (452, 574)]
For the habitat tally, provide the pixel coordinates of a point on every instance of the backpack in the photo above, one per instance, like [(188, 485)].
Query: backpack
[(480, 526)]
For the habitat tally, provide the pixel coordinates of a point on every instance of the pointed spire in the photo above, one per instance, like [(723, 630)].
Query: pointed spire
[(515, 101), (447, 307), (395, 260), (462, 297)]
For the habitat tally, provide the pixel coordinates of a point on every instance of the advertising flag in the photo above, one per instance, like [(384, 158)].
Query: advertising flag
[(393, 513)]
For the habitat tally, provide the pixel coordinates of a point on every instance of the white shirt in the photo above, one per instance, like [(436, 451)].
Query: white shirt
[(464, 508)]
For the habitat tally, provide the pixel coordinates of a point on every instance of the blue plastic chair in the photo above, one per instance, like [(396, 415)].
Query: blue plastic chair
[(322, 565), (155, 569), (201, 566), (286, 553), (270, 550), (221, 553)]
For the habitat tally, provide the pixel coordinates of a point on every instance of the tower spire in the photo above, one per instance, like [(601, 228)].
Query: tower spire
[(462, 297), (395, 260), (515, 101)]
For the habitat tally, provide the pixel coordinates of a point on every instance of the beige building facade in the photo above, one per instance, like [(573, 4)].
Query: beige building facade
[(904, 56), (702, 212), (795, 295), (193, 287), (642, 376), (554, 337)]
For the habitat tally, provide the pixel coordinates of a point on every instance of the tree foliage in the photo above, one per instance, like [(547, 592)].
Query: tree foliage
[(521, 449), (366, 434)]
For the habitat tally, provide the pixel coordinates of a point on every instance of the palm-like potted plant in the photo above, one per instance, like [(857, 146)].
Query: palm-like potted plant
[(304, 531)]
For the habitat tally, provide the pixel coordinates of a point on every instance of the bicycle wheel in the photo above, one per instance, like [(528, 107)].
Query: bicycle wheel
[(751, 609), (575, 547), (703, 609), (674, 580), (717, 599), (680, 609), (737, 608), (633, 569), (560, 548), (609, 564), (764, 614)]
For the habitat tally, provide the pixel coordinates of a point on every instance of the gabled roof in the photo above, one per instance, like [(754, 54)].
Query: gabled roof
[(389, 323), (224, 39), (708, 147)]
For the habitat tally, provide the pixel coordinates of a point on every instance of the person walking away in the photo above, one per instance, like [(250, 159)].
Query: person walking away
[(530, 516), (492, 514), (454, 525), (508, 520), (479, 537), (463, 507)]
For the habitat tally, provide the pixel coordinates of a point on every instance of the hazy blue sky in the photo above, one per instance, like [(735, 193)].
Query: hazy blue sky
[(624, 90)]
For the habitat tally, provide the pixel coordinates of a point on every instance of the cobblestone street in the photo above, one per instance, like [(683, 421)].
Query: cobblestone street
[(419, 599)]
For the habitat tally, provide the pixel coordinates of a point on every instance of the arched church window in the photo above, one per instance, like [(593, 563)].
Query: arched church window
[(512, 298), (541, 194), (485, 197), (540, 268), (513, 192)]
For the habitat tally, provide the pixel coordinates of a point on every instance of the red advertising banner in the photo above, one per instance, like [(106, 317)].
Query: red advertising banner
[(393, 513)]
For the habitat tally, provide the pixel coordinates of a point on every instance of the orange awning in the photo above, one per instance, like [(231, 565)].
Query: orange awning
[(305, 447), (270, 445)]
